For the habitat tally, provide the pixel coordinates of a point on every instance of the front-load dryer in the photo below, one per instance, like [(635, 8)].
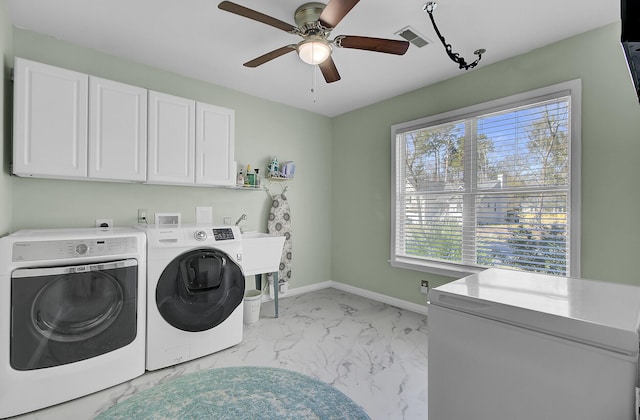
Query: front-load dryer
[(195, 289), (72, 314)]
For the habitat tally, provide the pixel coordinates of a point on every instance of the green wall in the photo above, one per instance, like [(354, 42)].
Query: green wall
[(361, 188), (343, 164), (6, 50), (263, 128)]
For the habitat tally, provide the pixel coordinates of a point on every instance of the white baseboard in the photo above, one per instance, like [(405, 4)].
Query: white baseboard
[(403, 304), (378, 297)]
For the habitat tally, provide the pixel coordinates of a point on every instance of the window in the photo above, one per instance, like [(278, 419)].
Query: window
[(492, 185)]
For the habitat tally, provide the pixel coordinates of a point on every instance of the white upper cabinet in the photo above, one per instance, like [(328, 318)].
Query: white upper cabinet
[(171, 148), (215, 163), (49, 121), (70, 125), (117, 131), (190, 143)]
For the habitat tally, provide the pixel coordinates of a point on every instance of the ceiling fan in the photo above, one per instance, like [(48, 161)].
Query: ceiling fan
[(315, 22)]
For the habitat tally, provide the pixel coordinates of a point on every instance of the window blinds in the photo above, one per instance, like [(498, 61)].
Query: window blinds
[(489, 190)]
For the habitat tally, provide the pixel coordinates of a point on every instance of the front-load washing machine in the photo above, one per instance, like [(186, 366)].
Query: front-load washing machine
[(195, 289), (72, 314)]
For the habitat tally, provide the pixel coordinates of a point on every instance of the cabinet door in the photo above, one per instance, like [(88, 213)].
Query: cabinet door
[(49, 121), (171, 147), (214, 145), (117, 131)]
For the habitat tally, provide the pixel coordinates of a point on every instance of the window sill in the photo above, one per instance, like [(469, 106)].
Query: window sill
[(433, 267)]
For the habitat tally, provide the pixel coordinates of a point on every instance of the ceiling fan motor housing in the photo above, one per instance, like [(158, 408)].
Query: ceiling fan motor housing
[(307, 15)]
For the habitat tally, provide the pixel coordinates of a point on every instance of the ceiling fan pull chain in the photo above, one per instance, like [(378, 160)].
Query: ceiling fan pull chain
[(429, 7), (313, 86)]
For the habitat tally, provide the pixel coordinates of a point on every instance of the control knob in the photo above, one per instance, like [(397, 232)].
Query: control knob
[(200, 235), (82, 248)]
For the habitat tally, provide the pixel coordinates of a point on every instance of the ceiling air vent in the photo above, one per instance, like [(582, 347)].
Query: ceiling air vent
[(413, 37)]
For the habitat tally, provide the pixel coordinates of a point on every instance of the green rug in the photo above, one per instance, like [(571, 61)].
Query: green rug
[(235, 393)]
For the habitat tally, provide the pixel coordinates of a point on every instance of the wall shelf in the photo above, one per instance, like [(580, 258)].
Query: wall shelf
[(245, 188)]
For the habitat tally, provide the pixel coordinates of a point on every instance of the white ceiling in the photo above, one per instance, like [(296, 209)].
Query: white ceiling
[(196, 39)]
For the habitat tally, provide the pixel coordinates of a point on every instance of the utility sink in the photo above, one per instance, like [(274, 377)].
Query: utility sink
[(261, 252)]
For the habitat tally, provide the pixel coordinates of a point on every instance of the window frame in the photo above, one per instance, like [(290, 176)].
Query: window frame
[(572, 88)]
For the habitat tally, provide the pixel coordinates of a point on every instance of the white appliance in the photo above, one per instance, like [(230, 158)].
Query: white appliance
[(195, 292), (522, 346), (72, 314)]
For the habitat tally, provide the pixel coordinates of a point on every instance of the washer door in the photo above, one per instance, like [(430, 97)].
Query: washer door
[(199, 289)]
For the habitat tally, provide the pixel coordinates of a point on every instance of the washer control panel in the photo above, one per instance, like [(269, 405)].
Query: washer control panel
[(219, 234), (51, 250), (186, 236)]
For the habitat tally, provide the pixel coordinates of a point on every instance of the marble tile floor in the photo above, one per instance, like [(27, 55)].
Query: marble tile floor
[(374, 353)]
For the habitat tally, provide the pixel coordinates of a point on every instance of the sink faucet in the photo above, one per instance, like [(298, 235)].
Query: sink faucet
[(243, 217)]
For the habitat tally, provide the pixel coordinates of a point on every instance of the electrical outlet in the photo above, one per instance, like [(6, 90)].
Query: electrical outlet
[(226, 220), (424, 286), (104, 223), (142, 216)]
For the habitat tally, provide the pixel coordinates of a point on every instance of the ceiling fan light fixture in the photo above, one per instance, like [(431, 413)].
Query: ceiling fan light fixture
[(314, 50)]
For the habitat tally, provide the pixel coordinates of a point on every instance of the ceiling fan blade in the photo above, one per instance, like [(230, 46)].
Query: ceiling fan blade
[(389, 46), (334, 11), (329, 70), (228, 6), (270, 56)]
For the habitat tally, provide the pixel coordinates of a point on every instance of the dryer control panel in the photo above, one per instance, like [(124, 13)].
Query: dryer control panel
[(53, 250)]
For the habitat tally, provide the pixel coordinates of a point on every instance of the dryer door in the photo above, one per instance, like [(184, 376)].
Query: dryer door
[(199, 289), (61, 315)]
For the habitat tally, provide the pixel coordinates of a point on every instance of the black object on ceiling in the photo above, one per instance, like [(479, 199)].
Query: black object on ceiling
[(429, 7)]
